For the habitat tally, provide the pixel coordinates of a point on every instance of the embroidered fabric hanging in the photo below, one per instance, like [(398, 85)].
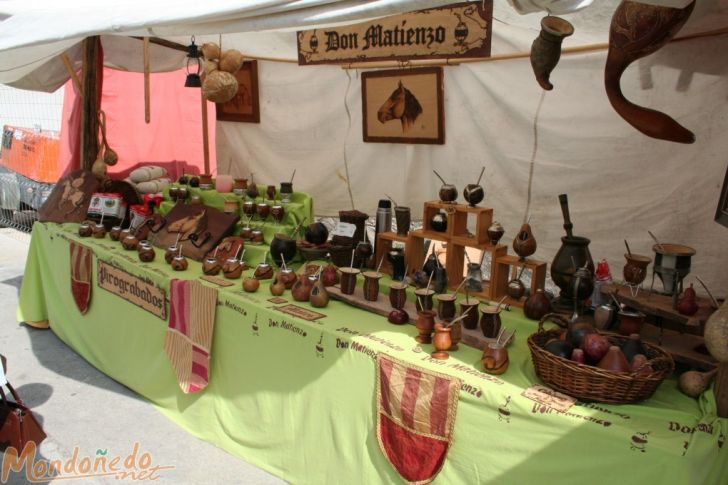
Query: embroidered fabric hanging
[(416, 411), (189, 335), (81, 268)]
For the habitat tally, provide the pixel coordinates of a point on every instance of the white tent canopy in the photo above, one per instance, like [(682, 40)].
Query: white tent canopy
[(620, 182)]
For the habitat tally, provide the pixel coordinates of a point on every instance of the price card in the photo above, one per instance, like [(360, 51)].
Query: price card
[(344, 229), (549, 397)]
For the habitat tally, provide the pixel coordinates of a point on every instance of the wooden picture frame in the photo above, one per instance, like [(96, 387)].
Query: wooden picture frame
[(721, 213), (245, 106), (403, 106)]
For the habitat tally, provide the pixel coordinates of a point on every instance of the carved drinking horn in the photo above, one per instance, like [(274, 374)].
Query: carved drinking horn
[(546, 49), (639, 30)]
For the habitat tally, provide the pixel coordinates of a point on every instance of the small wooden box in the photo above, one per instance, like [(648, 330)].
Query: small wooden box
[(507, 263), (457, 221), (384, 245)]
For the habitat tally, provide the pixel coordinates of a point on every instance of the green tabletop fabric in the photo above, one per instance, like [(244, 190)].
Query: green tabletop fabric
[(300, 208), (308, 415)]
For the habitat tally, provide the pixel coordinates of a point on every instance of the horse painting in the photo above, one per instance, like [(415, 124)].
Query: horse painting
[(401, 105)]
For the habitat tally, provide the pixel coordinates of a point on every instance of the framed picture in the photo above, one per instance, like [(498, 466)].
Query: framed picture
[(245, 105), (403, 106), (721, 214)]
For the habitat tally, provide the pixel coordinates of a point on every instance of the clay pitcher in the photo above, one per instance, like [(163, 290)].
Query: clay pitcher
[(546, 49), (442, 342), (638, 30)]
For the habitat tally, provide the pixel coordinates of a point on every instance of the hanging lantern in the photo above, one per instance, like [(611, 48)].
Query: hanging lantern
[(194, 66)]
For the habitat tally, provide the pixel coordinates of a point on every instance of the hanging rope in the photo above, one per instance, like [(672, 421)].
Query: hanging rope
[(348, 129), (533, 156)]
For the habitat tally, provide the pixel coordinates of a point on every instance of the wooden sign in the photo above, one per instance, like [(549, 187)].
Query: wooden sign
[(457, 30), (217, 281), (133, 289), (300, 312), (549, 397)]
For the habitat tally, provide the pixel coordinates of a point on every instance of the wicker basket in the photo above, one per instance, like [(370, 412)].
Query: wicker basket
[(313, 253), (591, 383)]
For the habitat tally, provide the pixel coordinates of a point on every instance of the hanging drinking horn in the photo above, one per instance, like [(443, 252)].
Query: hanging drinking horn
[(639, 30), (546, 49)]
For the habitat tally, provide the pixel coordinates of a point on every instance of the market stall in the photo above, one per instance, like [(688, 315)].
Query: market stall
[(296, 344)]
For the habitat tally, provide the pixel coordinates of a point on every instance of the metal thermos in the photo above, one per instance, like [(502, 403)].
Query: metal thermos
[(384, 219)]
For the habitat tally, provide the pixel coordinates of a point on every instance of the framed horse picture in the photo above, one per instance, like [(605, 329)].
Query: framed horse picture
[(245, 106), (403, 106)]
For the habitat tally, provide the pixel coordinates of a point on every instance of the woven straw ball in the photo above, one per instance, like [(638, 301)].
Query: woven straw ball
[(220, 87), (231, 61), (210, 51), (209, 66)]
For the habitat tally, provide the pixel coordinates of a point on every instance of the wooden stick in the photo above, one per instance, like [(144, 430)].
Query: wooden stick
[(351, 265), (627, 246), (662, 248), (459, 286), (500, 334), (465, 313), (482, 171), (294, 174), (205, 138), (501, 302), (390, 198), (429, 281), (514, 55), (147, 96), (73, 74), (379, 266), (441, 179)]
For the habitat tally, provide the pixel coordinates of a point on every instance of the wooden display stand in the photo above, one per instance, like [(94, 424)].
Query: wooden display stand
[(507, 268), (457, 240), (384, 245), (680, 335)]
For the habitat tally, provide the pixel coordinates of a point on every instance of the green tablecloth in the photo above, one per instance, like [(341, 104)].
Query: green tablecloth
[(309, 416), (298, 209)]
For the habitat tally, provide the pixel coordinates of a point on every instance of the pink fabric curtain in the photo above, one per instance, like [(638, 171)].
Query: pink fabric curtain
[(173, 135)]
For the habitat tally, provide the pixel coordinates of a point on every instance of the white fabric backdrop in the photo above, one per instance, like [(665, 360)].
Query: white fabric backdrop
[(620, 183)]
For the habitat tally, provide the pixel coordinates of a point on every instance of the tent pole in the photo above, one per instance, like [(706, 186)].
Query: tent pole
[(147, 116), (205, 140), (90, 103)]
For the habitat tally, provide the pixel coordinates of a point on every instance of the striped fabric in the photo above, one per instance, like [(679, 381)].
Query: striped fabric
[(189, 334), (81, 268), (416, 415)]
